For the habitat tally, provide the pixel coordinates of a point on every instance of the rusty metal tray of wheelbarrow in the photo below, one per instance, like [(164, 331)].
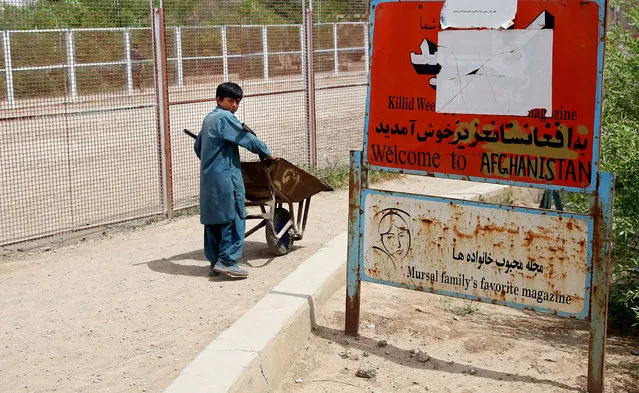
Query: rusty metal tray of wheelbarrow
[(287, 179)]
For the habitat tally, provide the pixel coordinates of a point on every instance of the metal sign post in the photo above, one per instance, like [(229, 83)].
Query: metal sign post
[(496, 99), (602, 210)]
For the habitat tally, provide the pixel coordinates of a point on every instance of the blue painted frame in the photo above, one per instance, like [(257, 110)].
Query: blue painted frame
[(591, 189)]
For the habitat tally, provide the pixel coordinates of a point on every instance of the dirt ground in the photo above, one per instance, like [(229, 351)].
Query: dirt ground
[(125, 309), (447, 345)]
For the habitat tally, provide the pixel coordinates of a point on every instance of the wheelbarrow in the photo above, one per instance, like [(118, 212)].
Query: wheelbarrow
[(276, 186)]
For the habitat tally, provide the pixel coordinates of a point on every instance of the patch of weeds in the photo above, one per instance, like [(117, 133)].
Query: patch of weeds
[(445, 302), (189, 211), (466, 309), (154, 219), (377, 176), (337, 175)]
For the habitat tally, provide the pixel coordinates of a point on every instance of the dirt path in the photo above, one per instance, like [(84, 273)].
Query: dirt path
[(125, 309), (446, 345)]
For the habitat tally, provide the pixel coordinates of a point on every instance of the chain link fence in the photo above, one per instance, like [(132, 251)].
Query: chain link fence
[(95, 95), (78, 123)]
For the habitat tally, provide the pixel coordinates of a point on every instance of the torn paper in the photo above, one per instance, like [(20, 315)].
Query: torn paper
[(507, 72), (470, 14), (544, 20)]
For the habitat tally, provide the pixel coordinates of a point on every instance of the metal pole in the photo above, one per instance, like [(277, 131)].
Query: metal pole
[(310, 90), (602, 239), (179, 64), (265, 51), (335, 52), (162, 98), (129, 64), (225, 58), (358, 180), (366, 47), (71, 64), (303, 49), (8, 71)]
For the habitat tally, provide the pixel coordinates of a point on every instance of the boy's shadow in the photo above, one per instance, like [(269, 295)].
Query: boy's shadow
[(174, 265)]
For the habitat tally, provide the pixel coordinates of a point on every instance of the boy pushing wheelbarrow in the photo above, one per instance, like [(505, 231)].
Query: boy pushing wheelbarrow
[(222, 193)]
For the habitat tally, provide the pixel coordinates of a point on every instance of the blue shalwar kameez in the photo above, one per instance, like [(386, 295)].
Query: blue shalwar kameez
[(222, 210)]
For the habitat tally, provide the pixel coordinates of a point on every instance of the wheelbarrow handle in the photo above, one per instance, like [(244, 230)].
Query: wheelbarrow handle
[(246, 128), (189, 133)]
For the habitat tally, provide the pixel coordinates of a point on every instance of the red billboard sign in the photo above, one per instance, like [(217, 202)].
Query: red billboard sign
[(516, 104)]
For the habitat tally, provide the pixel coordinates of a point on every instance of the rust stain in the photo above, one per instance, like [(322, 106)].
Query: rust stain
[(465, 235), (544, 230), (530, 236), (495, 228)]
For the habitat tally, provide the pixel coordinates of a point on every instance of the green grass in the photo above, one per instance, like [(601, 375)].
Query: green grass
[(464, 310), (337, 176)]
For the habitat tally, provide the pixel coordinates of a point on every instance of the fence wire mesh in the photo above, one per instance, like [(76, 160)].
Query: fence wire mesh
[(82, 130), (78, 124), (257, 45)]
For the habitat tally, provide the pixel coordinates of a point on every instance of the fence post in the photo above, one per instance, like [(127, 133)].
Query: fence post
[(302, 50), (335, 51), (366, 46), (178, 49), (162, 99), (8, 71), (357, 182), (310, 89), (225, 57), (265, 51), (71, 64), (600, 286), (129, 65)]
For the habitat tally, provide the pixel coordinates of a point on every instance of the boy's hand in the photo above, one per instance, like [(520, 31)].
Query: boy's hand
[(273, 157)]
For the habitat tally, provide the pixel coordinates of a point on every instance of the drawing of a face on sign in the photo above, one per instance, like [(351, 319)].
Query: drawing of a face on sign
[(394, 234)]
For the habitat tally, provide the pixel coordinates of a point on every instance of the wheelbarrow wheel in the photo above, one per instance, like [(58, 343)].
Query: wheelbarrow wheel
[(285, 243)]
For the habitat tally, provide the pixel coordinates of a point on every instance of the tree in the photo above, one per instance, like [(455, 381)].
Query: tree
[(620, 154)]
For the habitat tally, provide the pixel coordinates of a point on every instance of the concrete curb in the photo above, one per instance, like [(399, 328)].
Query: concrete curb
[(254, 354), (258, 349)]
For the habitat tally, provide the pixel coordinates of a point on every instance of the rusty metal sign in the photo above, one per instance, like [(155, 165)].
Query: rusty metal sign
[(480, 251), (516, 103), (500, 91)]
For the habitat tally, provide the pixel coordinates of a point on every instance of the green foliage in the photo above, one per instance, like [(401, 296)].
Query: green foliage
[(466, 309), (620, 154), (337, 175), (50, 48), (49, 14)]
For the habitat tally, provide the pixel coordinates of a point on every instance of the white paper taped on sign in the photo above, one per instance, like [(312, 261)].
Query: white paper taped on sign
[(490, 14), (494, 72)]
